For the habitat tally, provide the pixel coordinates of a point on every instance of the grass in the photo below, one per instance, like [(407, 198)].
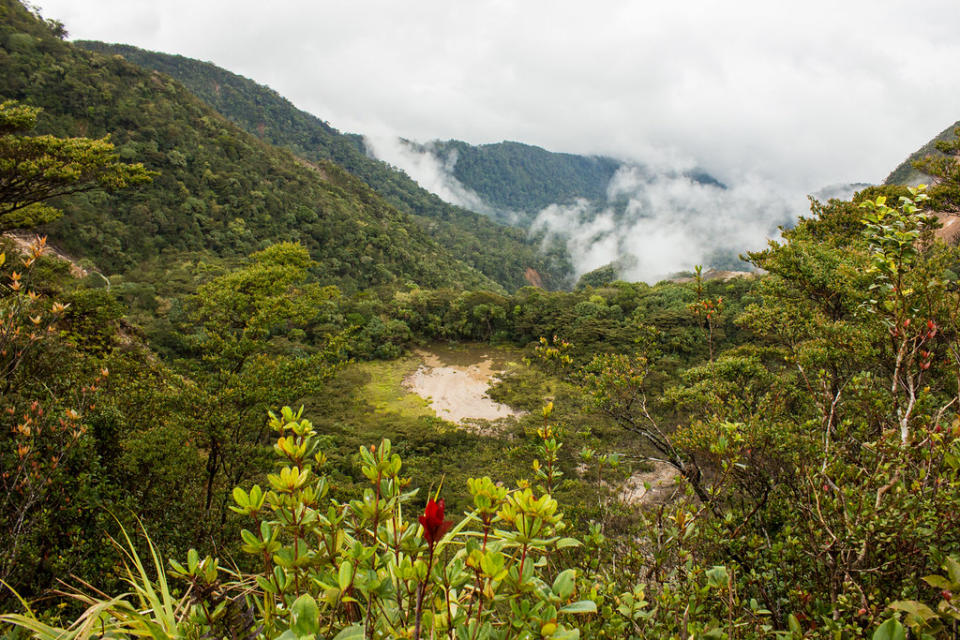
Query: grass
[(367, 402), (384, 390), (147, 610)]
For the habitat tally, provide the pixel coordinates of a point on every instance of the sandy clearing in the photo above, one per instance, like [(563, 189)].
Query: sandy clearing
[(457, 392), (662, 481)]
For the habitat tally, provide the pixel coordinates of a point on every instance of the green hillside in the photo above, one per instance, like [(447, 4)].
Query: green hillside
[(220, 190), (502, 253), (217, 443), (524, 178), (906, 173), (521, 177)]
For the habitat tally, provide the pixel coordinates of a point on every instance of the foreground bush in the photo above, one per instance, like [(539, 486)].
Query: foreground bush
[(356, 569)]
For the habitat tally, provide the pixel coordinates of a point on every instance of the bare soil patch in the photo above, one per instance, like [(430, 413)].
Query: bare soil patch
[(457, 391), (662, 483)]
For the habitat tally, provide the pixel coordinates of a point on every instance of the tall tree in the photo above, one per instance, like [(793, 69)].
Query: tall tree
[(248, 329), (34, 169)]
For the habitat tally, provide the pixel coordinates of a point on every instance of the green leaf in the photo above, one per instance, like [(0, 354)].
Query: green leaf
[(240, 497), (953, 569), (581, 606), (938, 582), (914, 608), (565, 583), (794, 625), (890, 630), (717, 577), (306, 616), (345, 576), (353, 632), (564, 543)]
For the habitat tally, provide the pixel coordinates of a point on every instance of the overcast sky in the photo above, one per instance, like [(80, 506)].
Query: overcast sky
[(802, 94)]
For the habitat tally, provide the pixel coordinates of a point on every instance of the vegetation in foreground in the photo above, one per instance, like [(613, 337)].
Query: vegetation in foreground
[(806, 434), (810, 415)]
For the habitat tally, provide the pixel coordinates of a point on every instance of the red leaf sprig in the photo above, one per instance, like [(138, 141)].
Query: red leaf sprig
[(434, 526)]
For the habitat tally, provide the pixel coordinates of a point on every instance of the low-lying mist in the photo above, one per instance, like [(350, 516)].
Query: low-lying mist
[(657, 225), (657, 219), (433, 173)]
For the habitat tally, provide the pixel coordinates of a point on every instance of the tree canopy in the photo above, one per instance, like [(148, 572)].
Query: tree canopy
[(37, 168)]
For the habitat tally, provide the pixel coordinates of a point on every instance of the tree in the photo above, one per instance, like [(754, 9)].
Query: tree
[(944, 168), (48, 464), (249, 333), (34, 169)]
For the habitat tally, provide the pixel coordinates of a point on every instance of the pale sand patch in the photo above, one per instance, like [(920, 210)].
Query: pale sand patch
[(662, 481), (457, 393)]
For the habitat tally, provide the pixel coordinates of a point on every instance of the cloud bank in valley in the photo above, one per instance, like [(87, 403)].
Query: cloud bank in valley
[(668, 223), (657, 220)]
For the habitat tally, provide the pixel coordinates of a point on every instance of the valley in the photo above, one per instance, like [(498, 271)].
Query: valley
[(261, 380)]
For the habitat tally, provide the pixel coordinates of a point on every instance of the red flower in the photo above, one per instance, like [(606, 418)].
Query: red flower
[(434, 526)]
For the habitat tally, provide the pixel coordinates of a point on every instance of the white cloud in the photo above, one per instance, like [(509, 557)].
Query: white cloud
[(431, 172), (660, 221), (670, 223), (802, 94)]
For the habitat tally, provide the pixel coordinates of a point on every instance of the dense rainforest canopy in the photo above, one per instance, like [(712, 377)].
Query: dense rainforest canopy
[(502, 253), (208, 436)]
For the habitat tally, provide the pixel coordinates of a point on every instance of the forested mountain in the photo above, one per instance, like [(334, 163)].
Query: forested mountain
[(219, 190), (524, 178), (518, 180), (767, 457), (502, 253), (906, 173), (509, 182)]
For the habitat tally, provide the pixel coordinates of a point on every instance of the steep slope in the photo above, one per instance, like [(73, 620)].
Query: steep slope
[(500, 252), (905, 174), (221, 191), (522, 177), (516, 181)]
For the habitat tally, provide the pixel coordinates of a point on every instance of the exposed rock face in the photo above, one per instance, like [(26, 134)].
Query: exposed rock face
[(950, 231), (651, 487), (22, 242), (533, 277)]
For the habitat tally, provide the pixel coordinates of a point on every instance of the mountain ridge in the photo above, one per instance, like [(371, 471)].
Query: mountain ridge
[(501, 252), (516, 180), (220, 192)]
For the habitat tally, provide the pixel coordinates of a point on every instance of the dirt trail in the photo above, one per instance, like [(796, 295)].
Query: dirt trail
[(457, 392)]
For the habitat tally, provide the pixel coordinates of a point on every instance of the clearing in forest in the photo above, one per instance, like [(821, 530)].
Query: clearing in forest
[(456, 381)]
